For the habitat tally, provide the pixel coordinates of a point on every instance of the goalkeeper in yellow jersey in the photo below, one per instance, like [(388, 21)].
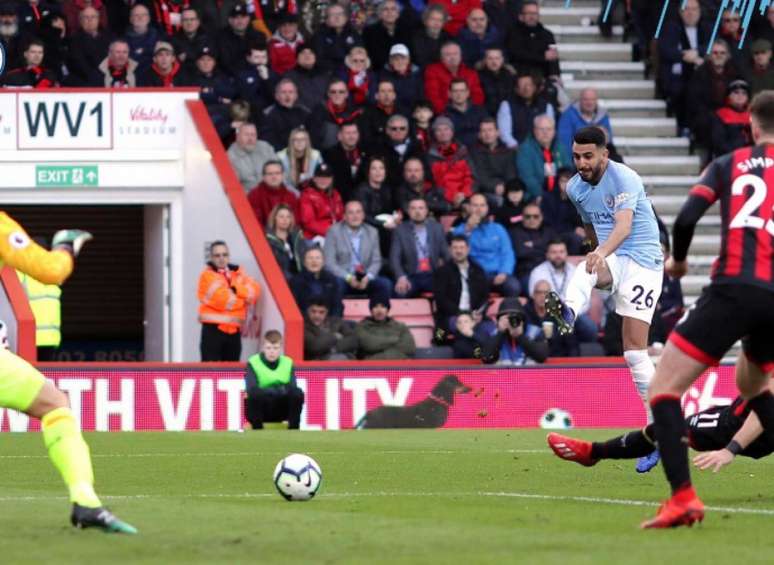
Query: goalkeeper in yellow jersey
[(24, 388)]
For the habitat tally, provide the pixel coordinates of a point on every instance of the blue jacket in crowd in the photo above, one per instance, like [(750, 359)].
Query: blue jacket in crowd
[(490, 247), (572, 120)]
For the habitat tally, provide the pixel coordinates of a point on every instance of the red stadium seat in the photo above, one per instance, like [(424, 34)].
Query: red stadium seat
[(355, 309)]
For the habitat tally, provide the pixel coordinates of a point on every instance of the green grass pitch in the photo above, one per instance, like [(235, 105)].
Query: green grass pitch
[(387, 497)]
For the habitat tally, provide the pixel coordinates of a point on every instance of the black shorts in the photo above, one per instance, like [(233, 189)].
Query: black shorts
[(723, 314), (712, 429)]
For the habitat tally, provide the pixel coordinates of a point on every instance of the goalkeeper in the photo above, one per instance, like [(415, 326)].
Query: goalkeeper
[(25, 389)]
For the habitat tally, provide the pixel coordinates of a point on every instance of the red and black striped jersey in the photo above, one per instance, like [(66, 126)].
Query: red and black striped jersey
[(743, 181)]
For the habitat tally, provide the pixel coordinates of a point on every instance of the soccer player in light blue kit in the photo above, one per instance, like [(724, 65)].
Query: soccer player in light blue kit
[(626, 260)]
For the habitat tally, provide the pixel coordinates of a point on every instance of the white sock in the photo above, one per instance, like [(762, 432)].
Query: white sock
[(642, 369), (579, 289)]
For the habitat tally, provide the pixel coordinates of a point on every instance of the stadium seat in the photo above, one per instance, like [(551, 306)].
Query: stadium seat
[(355, 309)]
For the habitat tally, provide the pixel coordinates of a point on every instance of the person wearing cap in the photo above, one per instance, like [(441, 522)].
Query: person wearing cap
[(88, 47), (165, 71), (320, 205), (478, 35), (309, 77), (405, 76), (191, 37), (352, 254), (335, 38), (285, 115), (118, 69), (731, 123), (438, 77), (390, 29), (234, 40), (32, 74), (285, 43), (255, 82), (141, 36), (381, 337), (217, 89), (761, 71), (450, 163), (514, 341)]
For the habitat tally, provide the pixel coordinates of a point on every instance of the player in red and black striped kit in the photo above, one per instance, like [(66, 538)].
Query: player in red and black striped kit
[(738, 304)]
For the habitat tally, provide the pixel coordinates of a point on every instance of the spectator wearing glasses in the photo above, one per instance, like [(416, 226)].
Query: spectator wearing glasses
[(530, 240), (397, 146), (328, 116), (225, 291), (359, 77), (191, 38), (731, 31)]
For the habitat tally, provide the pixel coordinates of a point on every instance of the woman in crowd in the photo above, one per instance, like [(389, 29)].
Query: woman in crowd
[(378, 200), (299, 158), (286, 241)]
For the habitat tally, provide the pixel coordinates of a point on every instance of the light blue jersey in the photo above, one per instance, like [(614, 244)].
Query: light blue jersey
[(619, 189)]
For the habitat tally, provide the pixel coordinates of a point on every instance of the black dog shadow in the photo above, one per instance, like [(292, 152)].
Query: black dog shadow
[(431, 412)]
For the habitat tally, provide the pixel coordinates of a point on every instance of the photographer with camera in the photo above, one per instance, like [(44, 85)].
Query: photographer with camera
[(514, 341)]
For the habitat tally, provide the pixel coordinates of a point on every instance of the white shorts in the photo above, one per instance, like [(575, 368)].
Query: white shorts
[(636, 289)]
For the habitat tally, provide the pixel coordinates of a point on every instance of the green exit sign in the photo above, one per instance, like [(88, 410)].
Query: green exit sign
[(66, 176)]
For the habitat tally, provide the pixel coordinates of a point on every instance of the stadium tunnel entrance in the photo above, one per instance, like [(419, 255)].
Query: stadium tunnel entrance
[(113, 303)]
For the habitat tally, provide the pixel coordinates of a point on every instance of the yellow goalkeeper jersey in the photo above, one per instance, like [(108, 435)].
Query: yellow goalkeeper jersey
[(17, 250)]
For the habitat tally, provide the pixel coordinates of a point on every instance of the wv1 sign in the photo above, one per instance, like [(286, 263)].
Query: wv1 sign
[(57, 121)]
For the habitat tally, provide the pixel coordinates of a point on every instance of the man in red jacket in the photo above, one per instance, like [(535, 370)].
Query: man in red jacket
[(320, 205), (271, 192), (450, 163), (438, 77)]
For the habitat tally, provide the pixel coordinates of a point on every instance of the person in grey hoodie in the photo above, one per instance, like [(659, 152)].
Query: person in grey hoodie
[(248, 155)]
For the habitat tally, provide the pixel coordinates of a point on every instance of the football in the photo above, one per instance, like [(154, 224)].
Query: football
[(556, 419), (297, 477)]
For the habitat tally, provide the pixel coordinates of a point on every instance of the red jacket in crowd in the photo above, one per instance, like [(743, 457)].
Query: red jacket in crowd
[(458, 11), (263, 199), (282, 53), (319, 210), (438, 79), (451, 170)]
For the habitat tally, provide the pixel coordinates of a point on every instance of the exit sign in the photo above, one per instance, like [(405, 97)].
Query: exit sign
[(66, 176)]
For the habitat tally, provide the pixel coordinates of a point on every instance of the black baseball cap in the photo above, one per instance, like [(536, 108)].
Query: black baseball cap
[(323, 170)]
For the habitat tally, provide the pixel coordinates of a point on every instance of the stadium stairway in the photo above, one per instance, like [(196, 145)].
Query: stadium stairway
[(644, 134)]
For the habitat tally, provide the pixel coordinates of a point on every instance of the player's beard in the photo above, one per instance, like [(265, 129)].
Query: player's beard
[(596, 174)]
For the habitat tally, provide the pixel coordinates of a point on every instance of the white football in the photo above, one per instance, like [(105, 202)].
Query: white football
[(297, 477), (556, 419)]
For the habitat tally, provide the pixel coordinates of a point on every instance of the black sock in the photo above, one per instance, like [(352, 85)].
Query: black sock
[(763, 406), (627, 446), (671, 437)]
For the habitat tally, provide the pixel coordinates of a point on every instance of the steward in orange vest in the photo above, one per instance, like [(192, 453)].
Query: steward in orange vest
[(225, 292)]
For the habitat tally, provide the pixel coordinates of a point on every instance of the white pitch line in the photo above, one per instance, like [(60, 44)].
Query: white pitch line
[(525, 495), (280, 451)]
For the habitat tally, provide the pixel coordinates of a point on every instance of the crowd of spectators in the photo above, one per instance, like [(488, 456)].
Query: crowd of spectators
[(394, 148)]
